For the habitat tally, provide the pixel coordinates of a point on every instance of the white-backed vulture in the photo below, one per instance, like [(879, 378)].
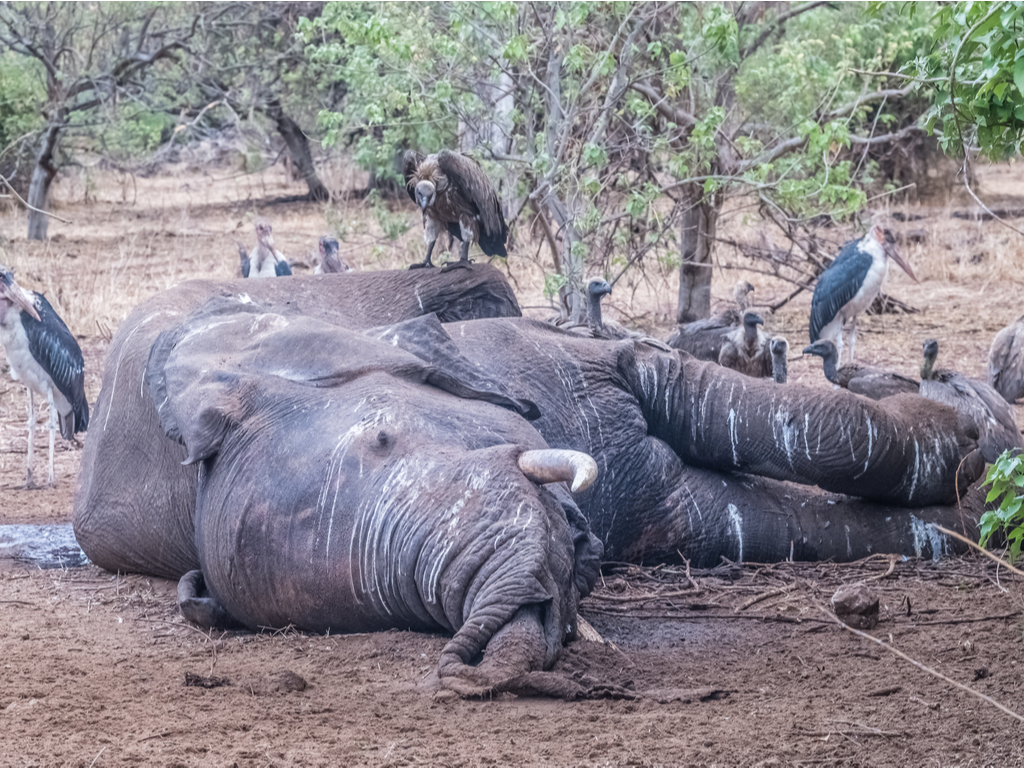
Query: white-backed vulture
[(866, 380), (455, 195), (1006, 361), (703, 338), (745, 349)]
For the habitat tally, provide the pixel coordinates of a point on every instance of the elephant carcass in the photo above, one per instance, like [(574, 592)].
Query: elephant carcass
[(134, 503), (347, 485), (701, 460)]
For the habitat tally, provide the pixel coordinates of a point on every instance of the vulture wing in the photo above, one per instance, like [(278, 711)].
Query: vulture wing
[(469, 179), (410, 164), (1006, 361)]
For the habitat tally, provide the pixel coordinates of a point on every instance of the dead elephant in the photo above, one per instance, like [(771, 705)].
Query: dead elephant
[(134, 503), (346, 484)]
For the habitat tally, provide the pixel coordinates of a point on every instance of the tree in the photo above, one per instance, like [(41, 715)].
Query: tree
[(628, 124), (91, 55), (253, 61), (975, 73)]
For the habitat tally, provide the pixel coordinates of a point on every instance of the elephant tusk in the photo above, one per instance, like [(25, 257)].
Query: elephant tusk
[(554, 465)]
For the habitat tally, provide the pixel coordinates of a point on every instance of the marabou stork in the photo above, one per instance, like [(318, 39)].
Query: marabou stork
[(44, 356), (329, 260), (1006, 361), (865, 380), (850, 284), (997, 429), (454, 194), (264, 260), (703, 338), (779, 347), (746, 349)]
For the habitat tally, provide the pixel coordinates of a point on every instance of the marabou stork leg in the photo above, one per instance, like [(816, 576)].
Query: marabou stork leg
[(426, 262), (853, 337), (52, 426), (839, 348), (31, 437)]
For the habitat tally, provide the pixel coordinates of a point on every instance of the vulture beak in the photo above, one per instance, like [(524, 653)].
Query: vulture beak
[(15, 293), (888, 243)]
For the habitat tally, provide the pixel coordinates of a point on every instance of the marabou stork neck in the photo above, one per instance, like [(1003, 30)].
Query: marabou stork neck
[(850, 284), (996, 426), (45, 357)]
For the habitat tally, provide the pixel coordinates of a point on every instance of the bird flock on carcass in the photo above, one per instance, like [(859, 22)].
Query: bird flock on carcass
[(455, 196)]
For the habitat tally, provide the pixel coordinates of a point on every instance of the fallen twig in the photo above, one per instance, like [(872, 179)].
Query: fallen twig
[(921, 666), (764, 596), (981, 549)]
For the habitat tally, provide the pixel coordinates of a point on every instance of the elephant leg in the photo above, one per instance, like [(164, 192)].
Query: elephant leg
[(710, 515), (29, 483)]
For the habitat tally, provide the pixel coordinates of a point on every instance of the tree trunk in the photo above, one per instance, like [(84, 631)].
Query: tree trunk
[(298, 149), (697, 235), (39, 188)]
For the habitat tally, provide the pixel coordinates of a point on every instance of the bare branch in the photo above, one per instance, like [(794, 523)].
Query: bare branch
[(777, 25)]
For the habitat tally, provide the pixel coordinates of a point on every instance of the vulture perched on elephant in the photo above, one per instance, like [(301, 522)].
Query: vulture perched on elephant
[(973, 398), (455, 195), (745, 349), (866, 380), (1006, 361), (703, 338)]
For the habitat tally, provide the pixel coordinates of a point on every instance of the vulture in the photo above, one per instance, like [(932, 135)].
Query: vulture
[(745, 349), (703, 338), (264, 260), (779, 348), (455, 195), (996, 427), (851, 283), (1006, 361), (328, 259), (866, 380), (598, 328)]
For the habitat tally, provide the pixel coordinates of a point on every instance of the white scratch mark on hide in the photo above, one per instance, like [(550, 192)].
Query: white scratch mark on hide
[(732, 436), (243, 298), (917, 464), (418, 299), (120, 358), (849, 549), (737, 524), (871, 437), (807, 429), (925, 533), (394, 340)]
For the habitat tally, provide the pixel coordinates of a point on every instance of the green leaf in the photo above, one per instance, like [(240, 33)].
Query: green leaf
[(1018, 75)]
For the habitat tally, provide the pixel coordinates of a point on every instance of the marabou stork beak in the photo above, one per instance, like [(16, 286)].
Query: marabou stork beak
[(888, 243), (15, 293)]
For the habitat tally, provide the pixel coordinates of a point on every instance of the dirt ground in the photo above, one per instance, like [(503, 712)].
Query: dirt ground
[(737, 666)]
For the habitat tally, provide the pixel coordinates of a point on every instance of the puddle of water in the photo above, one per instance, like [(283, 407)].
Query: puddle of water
[(47, 546)]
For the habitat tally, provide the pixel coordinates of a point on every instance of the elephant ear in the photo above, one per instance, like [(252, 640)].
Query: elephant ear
[(449, 370), (196, 402)]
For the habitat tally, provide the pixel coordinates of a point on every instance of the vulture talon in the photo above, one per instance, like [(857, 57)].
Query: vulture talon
[(460, 264)]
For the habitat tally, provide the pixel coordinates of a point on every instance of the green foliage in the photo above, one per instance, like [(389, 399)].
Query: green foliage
[(22, 95), (976, 71), (1006, 478)]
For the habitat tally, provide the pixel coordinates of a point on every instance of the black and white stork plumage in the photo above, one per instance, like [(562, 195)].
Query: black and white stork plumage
[(329, 261), (264, 260), (455, 195), (996, 426), (850, 285), (1006, 361), (703, 338), (866, 380), (44, 356)]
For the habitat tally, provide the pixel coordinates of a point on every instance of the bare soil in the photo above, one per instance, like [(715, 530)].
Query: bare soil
[(737, 666)]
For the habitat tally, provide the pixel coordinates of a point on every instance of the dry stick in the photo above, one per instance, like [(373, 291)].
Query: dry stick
[(892, 567), (32, 207), (983, 551), (921, 666), (764, 596), (97, 757)]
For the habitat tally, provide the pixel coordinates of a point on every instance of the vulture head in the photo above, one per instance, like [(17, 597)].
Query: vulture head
[(425, 193)]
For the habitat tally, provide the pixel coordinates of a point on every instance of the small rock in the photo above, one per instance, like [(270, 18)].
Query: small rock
[(856, 606)]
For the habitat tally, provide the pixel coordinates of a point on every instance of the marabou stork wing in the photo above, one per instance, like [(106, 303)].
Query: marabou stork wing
[(57, 352), (410, 163), (470, 181), (1006, 361), (281, 268), (837, 285)]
